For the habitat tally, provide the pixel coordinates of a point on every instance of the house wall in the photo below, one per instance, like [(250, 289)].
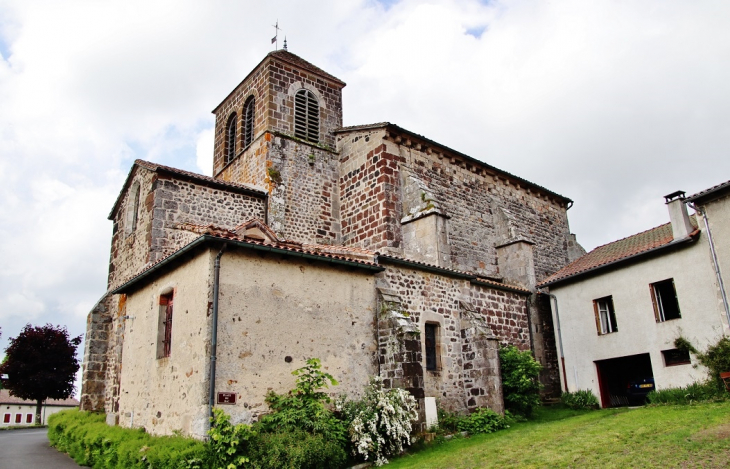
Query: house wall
[(167, 394), (718, 215), (25, 410), (275, 313), (638, 332)]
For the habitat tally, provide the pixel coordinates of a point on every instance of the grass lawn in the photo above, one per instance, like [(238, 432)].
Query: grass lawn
[(666, 436)]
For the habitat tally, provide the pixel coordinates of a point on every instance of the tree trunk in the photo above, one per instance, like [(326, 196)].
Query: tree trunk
[(38, 407)]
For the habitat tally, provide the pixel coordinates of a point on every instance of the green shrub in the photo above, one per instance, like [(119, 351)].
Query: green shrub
[(91, 442), (520, 383), (484, 420), (303, 408), (716, 358), (296, 449), (229, 444), (580, 400), (379, 423), (692, 394)]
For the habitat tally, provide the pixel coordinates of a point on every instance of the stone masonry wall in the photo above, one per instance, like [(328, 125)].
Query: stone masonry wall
[(274, 85), (550, 375), (369, 191), (468, 340), (177, 202), (485, 209), (96, 353)]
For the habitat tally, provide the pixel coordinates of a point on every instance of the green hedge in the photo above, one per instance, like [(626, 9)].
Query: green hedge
[(91, 442)]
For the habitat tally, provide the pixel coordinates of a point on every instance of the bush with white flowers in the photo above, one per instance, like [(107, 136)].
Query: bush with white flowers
[(381, 422)]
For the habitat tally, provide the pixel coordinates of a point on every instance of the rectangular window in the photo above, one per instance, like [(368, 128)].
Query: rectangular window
[(164, 329), (28, 418), (605, 315), (6, 418), (664, 297), (18, 418), (432, 346), (676, 357)]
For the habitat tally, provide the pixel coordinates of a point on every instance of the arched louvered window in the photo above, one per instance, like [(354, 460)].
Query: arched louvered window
[(248, 122), (306, 116), (231, 139)]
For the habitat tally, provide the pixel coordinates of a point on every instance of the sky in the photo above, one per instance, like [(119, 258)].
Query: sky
[(612, 103)]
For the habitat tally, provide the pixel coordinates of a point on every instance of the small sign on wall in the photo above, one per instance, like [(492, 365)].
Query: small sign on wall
[(226, 398)]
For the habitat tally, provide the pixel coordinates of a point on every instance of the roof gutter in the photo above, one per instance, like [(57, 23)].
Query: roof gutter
[(691, 238)]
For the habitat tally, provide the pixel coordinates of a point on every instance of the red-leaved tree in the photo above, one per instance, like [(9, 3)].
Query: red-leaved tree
[(41, 364)]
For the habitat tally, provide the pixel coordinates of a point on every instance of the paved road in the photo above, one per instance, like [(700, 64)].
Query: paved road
[(29, 449)]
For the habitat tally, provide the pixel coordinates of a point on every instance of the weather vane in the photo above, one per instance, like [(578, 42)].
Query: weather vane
[(275, 39)]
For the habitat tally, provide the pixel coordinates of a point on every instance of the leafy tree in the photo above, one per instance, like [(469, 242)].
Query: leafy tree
[(41, 364)]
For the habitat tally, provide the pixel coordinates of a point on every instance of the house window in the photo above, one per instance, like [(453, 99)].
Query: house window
[(18, 418), (28, 418), (431, 333), (248, 122), (231, 139), (605, 315), (676, 357), (664, 297), (306, 116), (6, 418), (164, 329)]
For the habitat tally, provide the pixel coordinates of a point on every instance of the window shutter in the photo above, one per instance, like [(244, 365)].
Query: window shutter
[(654, 303), (598, 317)]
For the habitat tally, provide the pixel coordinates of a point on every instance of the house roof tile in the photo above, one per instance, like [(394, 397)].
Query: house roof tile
[(710, 192), (617, 251)]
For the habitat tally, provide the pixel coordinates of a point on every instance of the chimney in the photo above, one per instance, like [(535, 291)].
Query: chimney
[(681, 227)]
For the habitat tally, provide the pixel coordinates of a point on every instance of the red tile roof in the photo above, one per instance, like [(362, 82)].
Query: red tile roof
[(710, 193), (6, 398), (209, 233), (617, 251)]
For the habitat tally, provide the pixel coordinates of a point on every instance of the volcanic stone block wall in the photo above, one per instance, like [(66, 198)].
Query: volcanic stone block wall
[(468, 374), (96, 353), (305, 202), (485, 209), (176, 201), (370, 192), (274, 84), (256, 85)]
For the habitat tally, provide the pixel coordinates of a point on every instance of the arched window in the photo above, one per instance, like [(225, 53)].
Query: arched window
[(231, 139), (248, 122), (130, 223), (306, 116)]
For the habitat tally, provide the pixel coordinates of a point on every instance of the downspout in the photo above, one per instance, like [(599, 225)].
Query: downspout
[(560, 340), (214, 334), (701, 210)]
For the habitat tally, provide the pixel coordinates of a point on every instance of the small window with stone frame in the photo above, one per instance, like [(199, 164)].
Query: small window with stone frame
[(306, 116), (164, 326), (230, 149), (664, 299), (432, 346), (248, 118), (605, 315)]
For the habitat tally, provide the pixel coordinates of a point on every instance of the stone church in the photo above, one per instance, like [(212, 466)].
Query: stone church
[(370, 247)]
